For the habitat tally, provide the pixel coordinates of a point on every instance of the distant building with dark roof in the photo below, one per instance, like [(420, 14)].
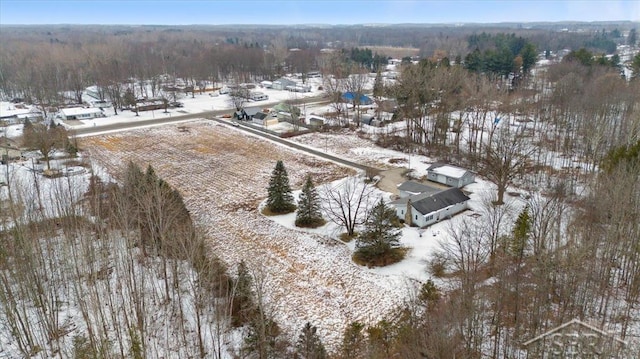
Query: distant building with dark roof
[(427, 208)]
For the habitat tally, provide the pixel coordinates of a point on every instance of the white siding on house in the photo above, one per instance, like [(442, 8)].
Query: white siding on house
[(434, 217)]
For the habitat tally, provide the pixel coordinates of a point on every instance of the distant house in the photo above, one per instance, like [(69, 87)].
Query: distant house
[(350, 98), (450, 175), (80, 113), (18, 113), (298, 88), (258, 96), (316, 121), (245, 114), (263, 119), (427, 208), (282, 83)]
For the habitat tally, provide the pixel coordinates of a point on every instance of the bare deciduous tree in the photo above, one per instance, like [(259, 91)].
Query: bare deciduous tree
[(347, 203), (506, 159)]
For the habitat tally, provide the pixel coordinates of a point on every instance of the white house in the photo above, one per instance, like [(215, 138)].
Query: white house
[(298, 88), (450, 175), (80, 113), (17, 114), (282, 83), (427, 208)]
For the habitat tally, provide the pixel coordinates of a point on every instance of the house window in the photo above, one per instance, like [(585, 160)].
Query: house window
[(416, 217), (402, 211)]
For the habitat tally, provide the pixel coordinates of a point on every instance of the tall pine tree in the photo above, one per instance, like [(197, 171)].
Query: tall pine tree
[(280, 199), (380, 235), (521, 231), (309, 206), (309, 345)]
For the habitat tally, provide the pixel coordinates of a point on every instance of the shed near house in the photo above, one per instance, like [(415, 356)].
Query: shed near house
[(80, 113), (316, 121), (428, 208), (450, 175)]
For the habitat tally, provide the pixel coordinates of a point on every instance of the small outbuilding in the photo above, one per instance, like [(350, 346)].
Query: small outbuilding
[(450, 175), (316, 121)]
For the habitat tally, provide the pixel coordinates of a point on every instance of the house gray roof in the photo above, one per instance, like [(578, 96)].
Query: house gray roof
[(415, 187), (250, 111), (260, 116), (426, 204)]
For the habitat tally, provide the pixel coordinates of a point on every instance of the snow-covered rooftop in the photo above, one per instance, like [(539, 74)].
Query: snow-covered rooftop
[(9, 110), (74, 111), (449, 171)]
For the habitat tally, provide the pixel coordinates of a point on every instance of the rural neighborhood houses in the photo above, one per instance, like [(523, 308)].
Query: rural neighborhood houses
[(450, 175)]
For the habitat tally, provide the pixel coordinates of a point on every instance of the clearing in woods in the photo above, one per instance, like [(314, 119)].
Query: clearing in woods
[(223, 174)]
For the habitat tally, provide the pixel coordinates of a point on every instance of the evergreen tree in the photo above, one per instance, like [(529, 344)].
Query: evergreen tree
[(378, 86), (309, 345), (380, 234), (521, 232), (353, 341), (309, 206), (242, 306), (280, 199), (635, 66), (130, 100)]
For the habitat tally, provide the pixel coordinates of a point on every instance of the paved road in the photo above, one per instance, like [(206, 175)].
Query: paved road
[(90, 131), (368, 169)]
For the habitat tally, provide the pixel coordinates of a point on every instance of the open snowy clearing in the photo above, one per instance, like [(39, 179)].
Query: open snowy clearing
[(223, 175)]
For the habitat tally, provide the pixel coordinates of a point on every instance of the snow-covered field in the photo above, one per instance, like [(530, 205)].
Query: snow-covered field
[(223, 174)]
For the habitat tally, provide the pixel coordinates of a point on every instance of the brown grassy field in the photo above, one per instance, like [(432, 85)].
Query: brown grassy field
[(223, 174)]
